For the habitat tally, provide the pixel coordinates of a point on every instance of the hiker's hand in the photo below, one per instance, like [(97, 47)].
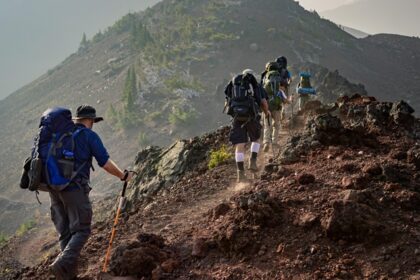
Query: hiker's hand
[(128, 175)]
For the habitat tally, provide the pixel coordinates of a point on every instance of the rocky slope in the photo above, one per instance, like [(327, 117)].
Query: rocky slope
[(340, 202)]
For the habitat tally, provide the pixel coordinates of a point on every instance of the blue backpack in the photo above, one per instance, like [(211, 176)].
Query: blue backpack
[(52, 160), (304, 86)]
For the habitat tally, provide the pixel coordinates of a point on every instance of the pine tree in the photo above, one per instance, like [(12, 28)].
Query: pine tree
[(84, 43), (130, 90)]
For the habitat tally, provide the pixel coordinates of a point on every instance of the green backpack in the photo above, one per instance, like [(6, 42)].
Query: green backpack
[(271, 84)]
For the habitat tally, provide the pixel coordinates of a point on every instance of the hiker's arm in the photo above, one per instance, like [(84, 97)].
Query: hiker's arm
[(264, 107), (112, 168), (102, 157)]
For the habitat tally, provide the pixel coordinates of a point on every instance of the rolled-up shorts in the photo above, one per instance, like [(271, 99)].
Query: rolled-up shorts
[(245, 131)]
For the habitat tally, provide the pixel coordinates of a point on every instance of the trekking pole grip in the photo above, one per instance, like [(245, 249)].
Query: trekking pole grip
[(124, 189)]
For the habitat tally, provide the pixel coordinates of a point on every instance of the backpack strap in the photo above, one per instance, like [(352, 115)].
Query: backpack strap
[(74, 135)]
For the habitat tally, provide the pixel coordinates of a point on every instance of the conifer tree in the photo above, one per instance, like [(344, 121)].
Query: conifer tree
[(84, 43), (130, 90)]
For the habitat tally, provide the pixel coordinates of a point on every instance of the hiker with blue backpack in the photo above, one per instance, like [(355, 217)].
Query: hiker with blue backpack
[(304, 90), (244, 99), (60, 163)]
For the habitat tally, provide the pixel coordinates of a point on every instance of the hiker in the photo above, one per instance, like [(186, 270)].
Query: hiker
[(286, 76), (276, 89), (304, 90), (280, 64), (71, 210), (275, 81), (244, 99)]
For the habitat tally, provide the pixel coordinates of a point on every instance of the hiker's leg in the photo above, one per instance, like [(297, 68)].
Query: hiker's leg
[(255, 148), (254, 132), (238, 137), (267, 134), (300, 105), (239, 159), (240, 156), (60, 219), (79, 211), (304, 98), (277, 116)]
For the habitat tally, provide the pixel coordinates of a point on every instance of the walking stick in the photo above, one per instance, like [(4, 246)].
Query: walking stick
[(121, 206)]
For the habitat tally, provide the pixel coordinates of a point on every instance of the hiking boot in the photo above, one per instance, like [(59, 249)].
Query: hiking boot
[(57, 271), (253, 165), (266, 147), (241, 176)]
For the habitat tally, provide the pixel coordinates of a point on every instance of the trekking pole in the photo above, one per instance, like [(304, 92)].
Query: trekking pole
[(121, 206)]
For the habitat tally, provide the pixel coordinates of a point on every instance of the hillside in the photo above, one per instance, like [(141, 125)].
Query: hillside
[(182, 53), (340, 201), (378, 16)]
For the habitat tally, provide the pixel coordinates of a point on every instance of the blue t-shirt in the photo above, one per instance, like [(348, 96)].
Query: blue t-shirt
[(88, 145)]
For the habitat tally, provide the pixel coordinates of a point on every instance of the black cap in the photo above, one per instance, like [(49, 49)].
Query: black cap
[(87, 112)]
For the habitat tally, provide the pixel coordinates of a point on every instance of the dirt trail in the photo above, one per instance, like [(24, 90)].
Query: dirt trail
[(37, 245), (175, 220), (181, 220)]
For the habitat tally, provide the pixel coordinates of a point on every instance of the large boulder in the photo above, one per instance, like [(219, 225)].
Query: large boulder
[(158, 168), (401, 113)]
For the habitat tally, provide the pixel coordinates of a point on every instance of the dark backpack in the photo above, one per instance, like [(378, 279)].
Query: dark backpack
[(242, 100), (284, 74), (51, 165)]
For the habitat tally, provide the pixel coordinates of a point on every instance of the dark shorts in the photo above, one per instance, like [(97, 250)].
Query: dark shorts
[(243, 132)]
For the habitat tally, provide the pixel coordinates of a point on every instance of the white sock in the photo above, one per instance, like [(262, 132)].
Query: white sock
[(255, 147), (239, 157)]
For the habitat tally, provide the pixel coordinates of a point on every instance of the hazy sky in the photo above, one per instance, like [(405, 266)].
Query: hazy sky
[(36, 35)]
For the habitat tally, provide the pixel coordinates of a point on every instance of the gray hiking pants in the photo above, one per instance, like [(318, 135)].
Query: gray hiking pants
[(71, 213)]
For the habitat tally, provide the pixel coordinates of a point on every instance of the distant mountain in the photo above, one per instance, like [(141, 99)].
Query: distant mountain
[(354, 32), (183, 52), (379, 16)]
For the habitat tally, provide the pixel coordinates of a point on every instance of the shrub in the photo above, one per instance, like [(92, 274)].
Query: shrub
[(3, 238), (25, 227), (143, 140), (219, 157), (179, 117)]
